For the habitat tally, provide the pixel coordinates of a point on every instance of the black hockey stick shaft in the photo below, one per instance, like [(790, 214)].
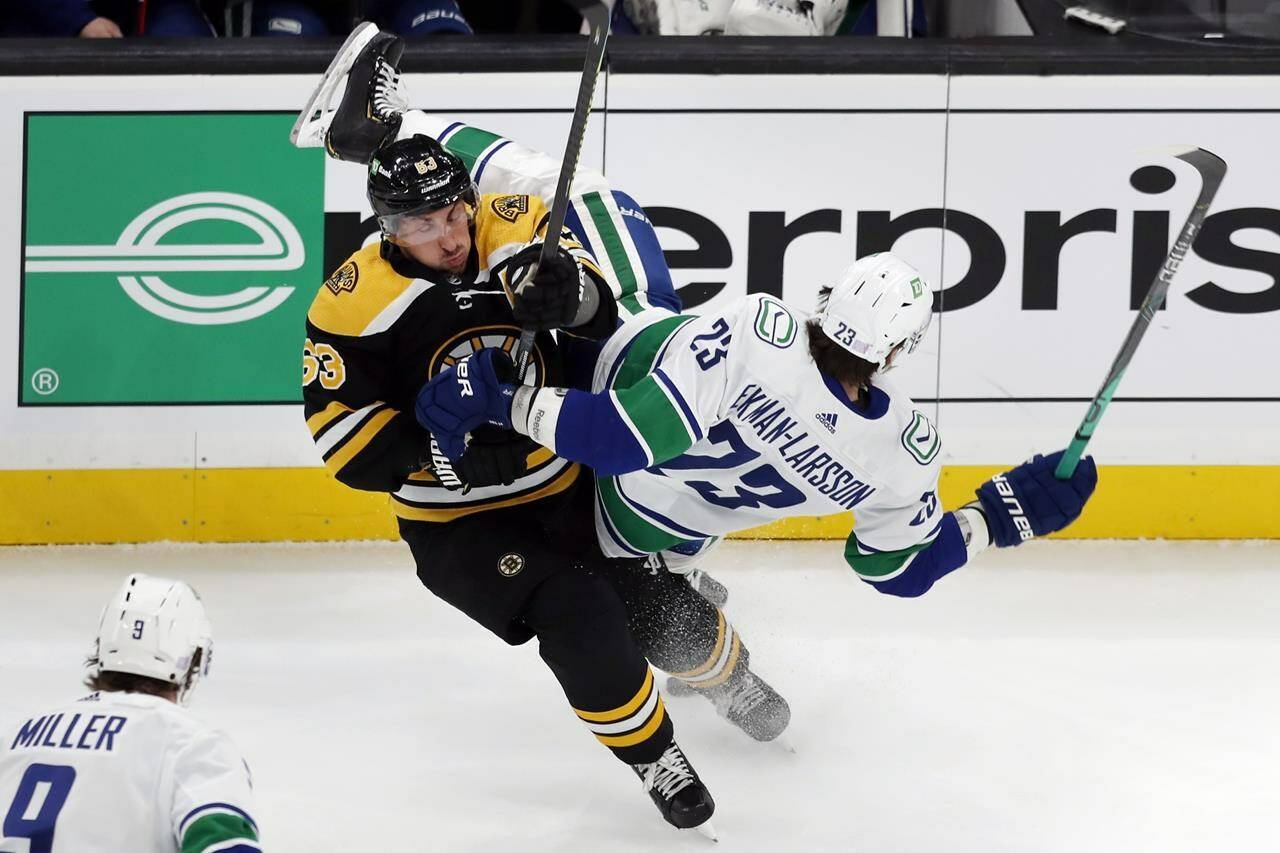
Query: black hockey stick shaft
[(597, 17), (1212, 168)]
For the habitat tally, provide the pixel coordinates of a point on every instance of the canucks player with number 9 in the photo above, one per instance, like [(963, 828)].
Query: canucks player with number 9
[(126, 768), (700, 426)]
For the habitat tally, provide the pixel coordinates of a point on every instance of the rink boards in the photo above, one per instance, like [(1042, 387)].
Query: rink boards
[(163, 242)]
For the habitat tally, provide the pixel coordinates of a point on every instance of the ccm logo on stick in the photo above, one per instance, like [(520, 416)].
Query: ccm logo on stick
[(1015, 508)]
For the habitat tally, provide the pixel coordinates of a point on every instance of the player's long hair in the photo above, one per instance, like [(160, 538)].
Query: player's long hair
[(127, 682), (834, 360)]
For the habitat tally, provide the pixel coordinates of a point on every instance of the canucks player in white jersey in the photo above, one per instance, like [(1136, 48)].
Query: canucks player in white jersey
[(700, 426), (127, 768)]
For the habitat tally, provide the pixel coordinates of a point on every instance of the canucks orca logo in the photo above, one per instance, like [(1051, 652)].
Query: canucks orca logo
[(921, 439), (141, 253)]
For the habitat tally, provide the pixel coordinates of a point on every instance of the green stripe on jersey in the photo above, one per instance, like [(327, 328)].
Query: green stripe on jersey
[(656, 419), (643, 349), (616, 252), (216, 828), (875, 567), (635, 530), (469, 143)]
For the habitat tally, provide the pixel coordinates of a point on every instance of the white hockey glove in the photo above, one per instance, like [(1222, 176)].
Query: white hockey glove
[(772, 18), (678, 17)]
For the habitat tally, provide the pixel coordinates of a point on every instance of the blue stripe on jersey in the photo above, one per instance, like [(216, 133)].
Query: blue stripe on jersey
[(485, 162), (657, 288), (243, 847), (656, 517), (691, 421), (603, 515), (448, 130), (198, 810)]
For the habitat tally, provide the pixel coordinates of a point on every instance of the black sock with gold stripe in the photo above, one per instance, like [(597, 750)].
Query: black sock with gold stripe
[(584, 638)]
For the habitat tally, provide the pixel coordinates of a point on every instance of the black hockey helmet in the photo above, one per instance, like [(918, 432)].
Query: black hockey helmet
[(414, 176)]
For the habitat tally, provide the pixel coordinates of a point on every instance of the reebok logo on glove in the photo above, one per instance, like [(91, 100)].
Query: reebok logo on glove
[(1016, 513)]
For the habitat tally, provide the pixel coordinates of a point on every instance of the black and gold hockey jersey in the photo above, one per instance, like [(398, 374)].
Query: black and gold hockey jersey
[(382, 325)]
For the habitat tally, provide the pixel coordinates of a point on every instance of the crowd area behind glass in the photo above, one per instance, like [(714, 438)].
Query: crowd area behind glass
[(1185, 20)]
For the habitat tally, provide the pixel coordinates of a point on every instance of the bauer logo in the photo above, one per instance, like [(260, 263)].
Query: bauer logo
[(182, 273)]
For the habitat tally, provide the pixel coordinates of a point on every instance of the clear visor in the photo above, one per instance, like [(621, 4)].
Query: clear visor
[(416, 229)]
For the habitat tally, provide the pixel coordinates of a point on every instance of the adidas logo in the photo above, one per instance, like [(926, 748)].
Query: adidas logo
[(828, 420)]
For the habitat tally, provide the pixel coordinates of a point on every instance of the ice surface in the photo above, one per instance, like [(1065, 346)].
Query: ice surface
[(1059, 697)]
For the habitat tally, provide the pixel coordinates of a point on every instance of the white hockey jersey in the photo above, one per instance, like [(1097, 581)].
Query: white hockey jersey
[(738, 428), (116, 772)]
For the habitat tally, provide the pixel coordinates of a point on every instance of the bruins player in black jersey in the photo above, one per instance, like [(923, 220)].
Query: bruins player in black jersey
[(515, 550)]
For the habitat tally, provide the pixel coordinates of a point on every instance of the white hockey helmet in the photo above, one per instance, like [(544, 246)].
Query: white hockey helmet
[(155, 627), (878, 303)]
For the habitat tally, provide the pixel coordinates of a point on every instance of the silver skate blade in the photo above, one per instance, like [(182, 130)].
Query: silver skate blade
[(784, 743), (708, 830), (308, 131)]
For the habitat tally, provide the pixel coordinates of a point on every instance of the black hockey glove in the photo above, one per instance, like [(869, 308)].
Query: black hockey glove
[(548, 297), (493, 457)]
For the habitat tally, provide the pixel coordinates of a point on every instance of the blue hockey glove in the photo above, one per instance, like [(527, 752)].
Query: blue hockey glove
[(1029, 501), (473, 392)]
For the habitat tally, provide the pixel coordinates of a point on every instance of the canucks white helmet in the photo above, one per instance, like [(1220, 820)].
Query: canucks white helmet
[(155, 627), (878, 303)]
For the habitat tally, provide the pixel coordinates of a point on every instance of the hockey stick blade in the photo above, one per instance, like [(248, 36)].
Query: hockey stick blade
[(597, 17), (1212, 169)]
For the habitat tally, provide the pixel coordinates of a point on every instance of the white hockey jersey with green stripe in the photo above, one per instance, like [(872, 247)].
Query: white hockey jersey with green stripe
[(117, 772), (733, 426)]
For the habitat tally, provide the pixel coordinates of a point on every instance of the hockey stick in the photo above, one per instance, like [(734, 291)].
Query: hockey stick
[(1212, 168), (597, 17)]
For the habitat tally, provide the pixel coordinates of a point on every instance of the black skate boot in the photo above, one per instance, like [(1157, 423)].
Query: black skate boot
[(746, 700), (676, 789), (372, 101)]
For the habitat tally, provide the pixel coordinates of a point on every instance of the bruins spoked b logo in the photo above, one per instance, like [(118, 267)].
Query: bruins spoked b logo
[(510, 565)]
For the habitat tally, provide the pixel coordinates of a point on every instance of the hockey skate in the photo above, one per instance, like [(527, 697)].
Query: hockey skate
[(746, 700), (372, 100), (677, 791), (708, 587)]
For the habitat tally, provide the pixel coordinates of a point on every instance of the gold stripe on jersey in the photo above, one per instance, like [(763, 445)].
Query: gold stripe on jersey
[(348, 449), (326, 416), (411, 512), (349, 312), (532, 462)]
